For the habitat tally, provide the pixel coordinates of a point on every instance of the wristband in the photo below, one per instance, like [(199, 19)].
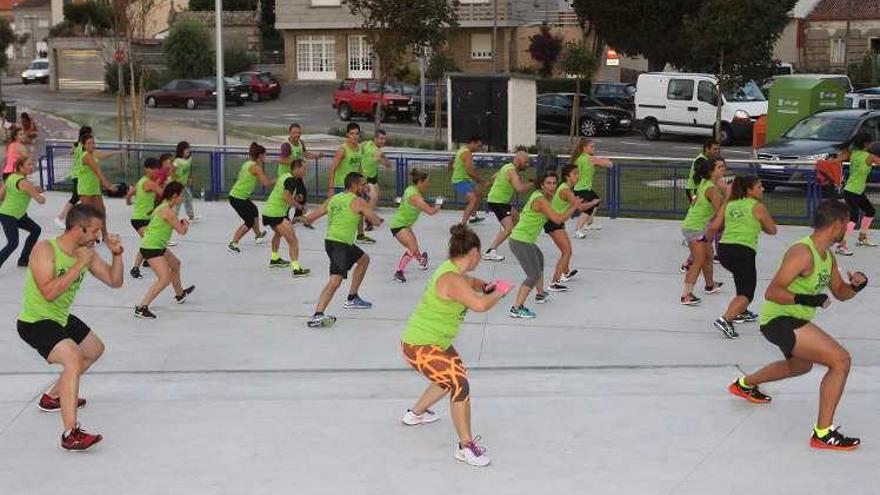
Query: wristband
[(813, 300), (858, 288)]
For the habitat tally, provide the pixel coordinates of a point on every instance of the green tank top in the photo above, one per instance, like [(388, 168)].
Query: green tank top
[(342, 222), (435, 321), (16, 202), (502, 190), (182, 170), (276, 206), (296, 153), (701, 211), (813, 284), (740, 225), (558, 204), (859, 170), (530, 222), (158, 231), (406, 214), (245, 183), (144, 201), (459, 172), (77, 161), (35, 307), (586, 171), (351, 162), (369, 164), (88, 183), (690, 180)]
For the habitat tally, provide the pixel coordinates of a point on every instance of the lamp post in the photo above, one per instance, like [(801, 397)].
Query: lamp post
[(221, 85)]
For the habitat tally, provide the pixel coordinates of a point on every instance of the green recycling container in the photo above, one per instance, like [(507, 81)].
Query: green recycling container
[(793, 98)]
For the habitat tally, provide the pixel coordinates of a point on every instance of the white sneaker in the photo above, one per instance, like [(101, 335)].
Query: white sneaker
[(196, 219), (260, 238), (568, 276), (594, 226), (472, 454), (171, 243), (492, 255), (580, 233), (413, 419), (60, 223)]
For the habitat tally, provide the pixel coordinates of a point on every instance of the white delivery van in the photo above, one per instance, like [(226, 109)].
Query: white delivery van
[(678, 103)]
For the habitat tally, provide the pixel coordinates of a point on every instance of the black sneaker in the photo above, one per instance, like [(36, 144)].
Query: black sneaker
[(321, 321), (691, 300), (233, 248), (144, 312), (279, 263), (300, 272), (186, 292), (726, 328), (475, 219), (714, 289), (145, 264), (136, 273), (834, 440), (398, 277), (752, 395), (22, 263), (557, 287)]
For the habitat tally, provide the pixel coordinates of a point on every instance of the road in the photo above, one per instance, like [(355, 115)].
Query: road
[(309, 104)]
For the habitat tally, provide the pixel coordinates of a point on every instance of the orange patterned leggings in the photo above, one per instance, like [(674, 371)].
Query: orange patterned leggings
[(442, 367)]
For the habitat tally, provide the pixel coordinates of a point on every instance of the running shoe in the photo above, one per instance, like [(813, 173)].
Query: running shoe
[(683, 268), (196, 219), (260, 238), (145, 264), (423, 261), (144, 312), (136, 273), (716, 259), (593, 226), (745, 317), (751, 394), (279, 263), (368, 227), (300, 272), (492, 255), (726, 328), (542, 298), (475, 219), (568, 276), (556, 287), (60, 223), (843, 251), (363, 239), (171, 243), (399, 277), (53, 404), (714, 289), (79, 440), (472, 454), (866, 242), (691, 300), (580, 233), (521, 312), (834, 440), (319, 321), (233, 248), (413, 419), (357, 303), (186, 292), (22, 263)]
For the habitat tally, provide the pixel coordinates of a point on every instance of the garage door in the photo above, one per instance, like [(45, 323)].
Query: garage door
[(80, 69)]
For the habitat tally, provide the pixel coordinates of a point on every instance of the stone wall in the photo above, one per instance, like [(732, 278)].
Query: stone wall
[(240, 29), (818, 43)]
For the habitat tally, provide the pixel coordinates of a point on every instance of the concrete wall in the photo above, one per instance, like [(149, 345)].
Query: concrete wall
[(786, 49), (78, 63), (818, 42), (23, 54), (521, 119), (240, 29)]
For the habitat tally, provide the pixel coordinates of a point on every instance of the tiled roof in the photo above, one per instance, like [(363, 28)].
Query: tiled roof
[(857, 10), (33, 3), (8, 4)]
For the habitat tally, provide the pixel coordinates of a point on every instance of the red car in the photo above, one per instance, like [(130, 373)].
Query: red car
[(361, 97), (262, 85)]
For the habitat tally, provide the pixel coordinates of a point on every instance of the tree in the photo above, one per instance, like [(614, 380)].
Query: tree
[(439, 65), (578, 61), (188, 51), (545, 48), (7, 37), (228, 5), (395, 27)]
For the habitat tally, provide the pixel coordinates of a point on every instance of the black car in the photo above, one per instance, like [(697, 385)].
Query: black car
[(430, 103), (812, 139), (554, 115), (620, 95)]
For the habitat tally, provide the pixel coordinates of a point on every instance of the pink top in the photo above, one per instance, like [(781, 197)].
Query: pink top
[(11, 157)]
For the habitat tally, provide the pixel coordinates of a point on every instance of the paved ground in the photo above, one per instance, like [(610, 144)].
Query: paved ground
[(614, 388)]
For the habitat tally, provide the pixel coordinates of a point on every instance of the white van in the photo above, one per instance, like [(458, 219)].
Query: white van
[(678, 103)]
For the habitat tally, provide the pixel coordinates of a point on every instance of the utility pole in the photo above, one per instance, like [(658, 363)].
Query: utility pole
[(221, 84), (494, 35)]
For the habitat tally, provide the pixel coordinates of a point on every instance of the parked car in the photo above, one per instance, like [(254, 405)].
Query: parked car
[(620, 95), (361, 97), (401, 88), (870, 91), (841, 79), (867, 101), (554, 114), (190, 93), (811, 139), (683, 103), (236, 91), (38, 71), (261, 85), (430, 103)]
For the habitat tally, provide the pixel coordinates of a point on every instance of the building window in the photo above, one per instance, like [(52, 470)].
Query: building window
[(360, 59), (326, 3), (43, 23), (481, 46), (838, 51), (316, 57)]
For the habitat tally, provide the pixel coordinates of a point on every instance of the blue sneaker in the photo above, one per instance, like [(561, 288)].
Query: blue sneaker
[(521, 312), (357, 303)]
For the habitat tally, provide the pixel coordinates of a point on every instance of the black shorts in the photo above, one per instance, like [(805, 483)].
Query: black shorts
[(44, 335), (740, 261), (372, 180), (780, 331), (501, 210), (858, 203), (550, 227), (587, 195), (342, 257), (74, 197), (273, 221), (246, 210), (139, 224), (395, 230), (152, 253)]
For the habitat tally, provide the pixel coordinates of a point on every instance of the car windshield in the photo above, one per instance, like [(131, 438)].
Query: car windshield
[(39, 66), (587, 101), (749, 92), (823, 128)]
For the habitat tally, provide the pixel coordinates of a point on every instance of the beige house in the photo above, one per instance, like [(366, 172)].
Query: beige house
[(841, 32), (790, 48)]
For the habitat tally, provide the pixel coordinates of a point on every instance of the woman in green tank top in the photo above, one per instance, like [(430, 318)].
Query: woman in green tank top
[(91, 179), (76, 153), (275, 216), (584, 157), (433, 326), (154, 249), (860, 164), (183, 173), (147, 193), (16, 196), (523, 241), (562, 200), (698, 231), (742, 220), (411, 205), (249, 174)]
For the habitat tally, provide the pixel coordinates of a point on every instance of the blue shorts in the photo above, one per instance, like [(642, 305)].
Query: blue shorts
[(463, 188)]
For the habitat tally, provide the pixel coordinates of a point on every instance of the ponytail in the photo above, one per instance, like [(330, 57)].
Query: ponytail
[(739, 189), (255, 151), (462, 240)]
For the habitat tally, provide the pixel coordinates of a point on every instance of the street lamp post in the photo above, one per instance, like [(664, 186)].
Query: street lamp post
[(221, 86)]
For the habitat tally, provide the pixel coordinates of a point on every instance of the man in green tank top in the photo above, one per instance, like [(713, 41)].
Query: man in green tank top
[(344, 211), (466, 182), (507, 182), (52, 281), (371, 156), (711, 150), (794, 295), (294, 149)]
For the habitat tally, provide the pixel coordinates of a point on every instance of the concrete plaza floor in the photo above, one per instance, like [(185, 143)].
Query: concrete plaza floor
[(615, 388)]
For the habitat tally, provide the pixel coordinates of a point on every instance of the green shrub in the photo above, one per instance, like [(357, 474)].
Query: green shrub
[(236, 60), (151, 79), (560, 85), (228, 5), (189, 53), (98, 15)]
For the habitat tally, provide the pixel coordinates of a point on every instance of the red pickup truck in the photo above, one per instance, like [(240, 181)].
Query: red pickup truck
[(361, 97)]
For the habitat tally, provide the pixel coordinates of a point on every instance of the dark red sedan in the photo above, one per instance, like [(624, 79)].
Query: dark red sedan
[(262, 85)]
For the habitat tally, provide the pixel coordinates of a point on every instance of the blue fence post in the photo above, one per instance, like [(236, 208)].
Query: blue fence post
[(618, 200), (402, 174), (50, 168), (315, 175), (812, 195)]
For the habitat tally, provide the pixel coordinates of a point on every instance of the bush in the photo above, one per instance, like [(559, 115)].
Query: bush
[(97, 15), (189, 53), (439, 64), (151, 79), (236, 60), (64, 29), (545, 47), (560, 85)]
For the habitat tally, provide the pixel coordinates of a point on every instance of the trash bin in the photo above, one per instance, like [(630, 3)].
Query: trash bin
[(10, 111)]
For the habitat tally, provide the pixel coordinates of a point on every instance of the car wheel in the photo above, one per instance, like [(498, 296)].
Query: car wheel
[(151, 102), (404, 117), (255, 97), (725, 136), (191, 103), (44, 80), (588, 127), (344, 112), (25, 82), (651, 130)]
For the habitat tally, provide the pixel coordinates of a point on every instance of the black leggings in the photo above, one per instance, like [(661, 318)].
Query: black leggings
[(740, 261), (10, 227), (858, 202), (74, 198)]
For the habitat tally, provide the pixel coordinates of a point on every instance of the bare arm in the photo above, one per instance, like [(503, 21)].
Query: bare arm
[(289, 199), (42, 266), (361, 206), (763, 215), (154, 186), (257, 170), (468, 159), (541, 205), (517, 183), (315, 214), (32, 191), (874, 160), (90, 162), (337, 159), (452, 286), (112, 275), (602, 162), (419, 202), (169, 216), (840, 289)]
